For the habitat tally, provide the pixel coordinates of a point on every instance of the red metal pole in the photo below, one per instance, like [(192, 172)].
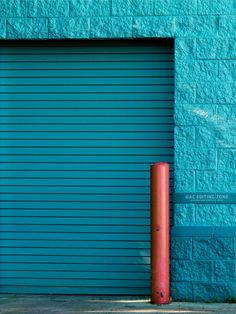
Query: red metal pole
[(160, 236)]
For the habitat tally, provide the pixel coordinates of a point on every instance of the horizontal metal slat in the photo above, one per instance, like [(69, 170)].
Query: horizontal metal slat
[(86, 104), (75, 166), (88, 96), (67, 212), (74, 282), (79, 252), (77, 275), (27, 266), (76, 181), (99, 65), (45, 197), (33, 127), (142, 112), (115, 119), (7, 158), (54, 220), (165, 86), (90, 47), (134, 80), (77, 205), (60, 143), (88, 57), (115, 73), (75, 259), (86, 136), (70, 236), (76, 290)]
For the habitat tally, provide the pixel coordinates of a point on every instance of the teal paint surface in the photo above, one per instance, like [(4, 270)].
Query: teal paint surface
[(81, 123), (204, 33)]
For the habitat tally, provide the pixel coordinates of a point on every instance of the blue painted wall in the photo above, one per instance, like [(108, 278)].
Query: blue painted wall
[(203, 257)]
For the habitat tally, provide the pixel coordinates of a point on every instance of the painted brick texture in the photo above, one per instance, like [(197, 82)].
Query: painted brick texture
[(203, 268), (205, 110)]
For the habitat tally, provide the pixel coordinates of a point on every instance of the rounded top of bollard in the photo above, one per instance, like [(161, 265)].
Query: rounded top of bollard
[(160, 164)]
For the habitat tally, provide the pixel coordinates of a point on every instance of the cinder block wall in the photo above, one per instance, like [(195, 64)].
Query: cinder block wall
[(203, 250)]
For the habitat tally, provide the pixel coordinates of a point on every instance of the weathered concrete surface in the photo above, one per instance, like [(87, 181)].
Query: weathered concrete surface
[(43, 304)]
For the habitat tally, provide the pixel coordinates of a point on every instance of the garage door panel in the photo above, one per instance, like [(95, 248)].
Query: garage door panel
[(37, 227), (96, 65), (76, 290), (56, 267), (71, 57), (75, 221), (32, 127), (85, 73), (76, 251), (90, 47), (82, 213), (74, 259), (87, 104), (81, 182), (111, 112), (137, 159), (85, 143), (80, 125), (17, 243), (83, 96), (71, 236), (93, 81), (78, 275), (87, 136)]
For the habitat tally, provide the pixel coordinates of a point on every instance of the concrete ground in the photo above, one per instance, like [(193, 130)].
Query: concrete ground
[(61, 304)]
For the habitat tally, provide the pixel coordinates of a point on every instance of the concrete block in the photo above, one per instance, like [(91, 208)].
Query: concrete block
[(227, 26), (216, 48), (216, 214), (115, 27), (196, 26), (184, 180), (206, 137), (189, 158), (2, 28), (196, 70), (215, 181), (27, 28), (13, 8), (185, 49), (181, 248), (184, 137), (132, 7), (215, 92), (181, 291), (184, 214), (185, 93), (186, 114), (225, 271), (226, 117), (69, 28), (48, 8), (227, 70), (214, 292), (185, 270), (214, 248), (227, 160), (175, 7), (209, 7), (158, 26), (90, 8)]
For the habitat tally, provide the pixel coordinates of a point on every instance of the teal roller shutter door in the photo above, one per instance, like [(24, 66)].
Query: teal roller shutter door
[(80, 125)]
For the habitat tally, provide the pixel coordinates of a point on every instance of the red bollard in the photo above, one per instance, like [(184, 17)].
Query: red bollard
[(160, 234)]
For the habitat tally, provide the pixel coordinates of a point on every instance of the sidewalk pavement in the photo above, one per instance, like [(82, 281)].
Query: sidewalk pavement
[(67, 304)]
